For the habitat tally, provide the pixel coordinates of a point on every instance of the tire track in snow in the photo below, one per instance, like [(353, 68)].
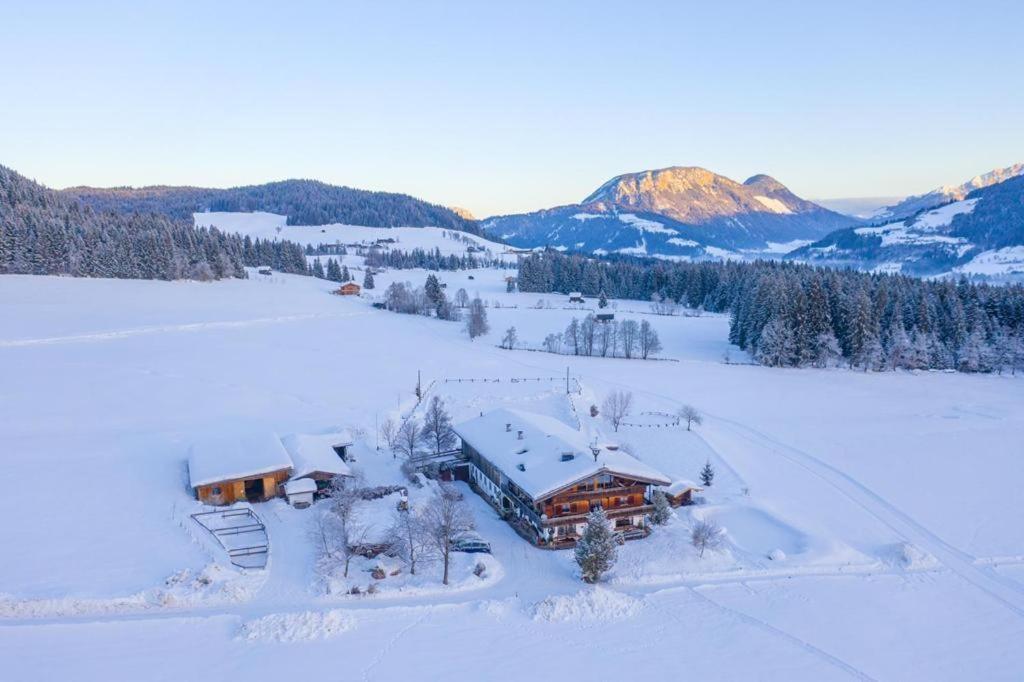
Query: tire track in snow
[(166, 328), (1004, 590)]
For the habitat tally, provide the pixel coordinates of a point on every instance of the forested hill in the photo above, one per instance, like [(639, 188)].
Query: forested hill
[(305, 202), (44, 232), (794, 315)]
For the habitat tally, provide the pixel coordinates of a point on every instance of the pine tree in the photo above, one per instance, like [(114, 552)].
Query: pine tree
[(368, 279), (707, 474), (334, 271), (662, 511), (346, 276), (602, 300), (318, 269), (596, 551)]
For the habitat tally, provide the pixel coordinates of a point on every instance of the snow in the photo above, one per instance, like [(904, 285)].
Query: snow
[(773, 205), (224, 458), (535, 461), (873, 529), (916, 230), (587, 216), (645, 225), (786, 247), (311, 454), (1005, 261), (297, 486), (678, 241)]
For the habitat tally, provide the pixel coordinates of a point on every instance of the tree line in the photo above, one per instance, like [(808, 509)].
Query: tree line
[(793, 315), (44, 233)]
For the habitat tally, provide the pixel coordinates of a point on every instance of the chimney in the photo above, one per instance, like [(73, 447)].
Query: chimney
[(508, 427), (519, 435)]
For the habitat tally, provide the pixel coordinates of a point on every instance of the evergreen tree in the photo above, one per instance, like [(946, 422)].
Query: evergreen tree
[(368, 279), (602, 300), (317, 269), (595, 552), (662, 511), (707, 474)]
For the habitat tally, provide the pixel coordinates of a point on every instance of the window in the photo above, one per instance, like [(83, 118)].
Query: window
[(566, 508), (623, 523), (215, 490)]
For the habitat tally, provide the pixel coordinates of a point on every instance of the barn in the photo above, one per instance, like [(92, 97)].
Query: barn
[(319, 457), (680, 492), (249, 467), (348, 289)]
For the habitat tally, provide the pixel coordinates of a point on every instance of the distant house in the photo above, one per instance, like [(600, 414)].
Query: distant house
[(264, 270), (604, 317), (228, 470), (575, 297), (680, 493), (348, 289), (546, 478)]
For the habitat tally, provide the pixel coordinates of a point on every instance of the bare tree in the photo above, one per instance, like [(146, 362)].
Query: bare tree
[(476, 321), (510, 340), (649, 342), (663, 305), (706, 535), (437, 427), (616, 407), (339, 528), (445, 519), (690, 414), (553, 343), (573, 338), (408, 437), (461, 298), (629, 334), (389, 432), (408, 539)]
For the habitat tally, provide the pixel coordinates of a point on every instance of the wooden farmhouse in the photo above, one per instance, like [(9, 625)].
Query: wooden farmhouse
[(545, 478), (348, 289), (227, 470)]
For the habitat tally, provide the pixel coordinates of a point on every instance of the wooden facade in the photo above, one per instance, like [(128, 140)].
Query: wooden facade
[(252, 488), (348, 289)]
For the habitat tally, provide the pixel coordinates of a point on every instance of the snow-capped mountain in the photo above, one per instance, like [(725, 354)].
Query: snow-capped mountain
[(980, 234), (678, 211), (947, 193)]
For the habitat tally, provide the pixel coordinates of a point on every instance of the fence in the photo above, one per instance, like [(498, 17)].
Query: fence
[(226, 526), (671, 421)]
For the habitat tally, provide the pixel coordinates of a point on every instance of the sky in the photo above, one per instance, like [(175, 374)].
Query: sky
[(503, 107)]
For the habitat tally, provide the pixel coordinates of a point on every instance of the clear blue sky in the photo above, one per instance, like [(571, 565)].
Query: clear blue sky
[(511, 106)]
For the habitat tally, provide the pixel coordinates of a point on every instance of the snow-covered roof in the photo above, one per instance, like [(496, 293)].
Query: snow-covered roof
[(681, 486), (575, 294), (312, 454), (297, 486), (540, 461), (227, 458)]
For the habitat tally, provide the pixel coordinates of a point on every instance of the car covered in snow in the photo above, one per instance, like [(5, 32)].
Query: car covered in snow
[(471, 543)]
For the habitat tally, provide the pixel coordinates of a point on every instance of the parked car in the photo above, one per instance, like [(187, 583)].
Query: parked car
[(471, 543)]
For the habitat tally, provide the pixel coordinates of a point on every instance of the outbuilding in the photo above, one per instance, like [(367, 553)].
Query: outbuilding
[(348, 289), (225, 470), (680, 493), (319, 458), (299, 492), (575, 297)]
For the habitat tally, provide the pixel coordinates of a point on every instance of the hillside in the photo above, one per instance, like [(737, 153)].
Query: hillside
[(982, 234), (305, 202), (947, 193), (46, 232), (680, 211)]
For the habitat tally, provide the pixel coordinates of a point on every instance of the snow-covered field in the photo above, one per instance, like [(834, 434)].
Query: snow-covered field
[(873, 523)]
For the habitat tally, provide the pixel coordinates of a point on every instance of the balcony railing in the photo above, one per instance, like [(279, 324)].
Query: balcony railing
[(612, 513)]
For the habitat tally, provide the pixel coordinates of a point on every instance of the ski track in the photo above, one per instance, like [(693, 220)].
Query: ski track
[(166, 328), (1004, 590)]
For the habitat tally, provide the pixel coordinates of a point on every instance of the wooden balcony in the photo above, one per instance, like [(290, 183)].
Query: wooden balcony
[(611, 513)]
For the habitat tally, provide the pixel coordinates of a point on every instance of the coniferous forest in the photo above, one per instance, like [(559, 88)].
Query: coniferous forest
[(44, 232), (793, 315)]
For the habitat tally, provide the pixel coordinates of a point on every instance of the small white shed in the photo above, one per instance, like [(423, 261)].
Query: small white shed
[(299, 492), (575, 297)]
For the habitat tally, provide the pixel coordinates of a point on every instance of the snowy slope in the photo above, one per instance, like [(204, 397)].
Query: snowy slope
[(867, 485)]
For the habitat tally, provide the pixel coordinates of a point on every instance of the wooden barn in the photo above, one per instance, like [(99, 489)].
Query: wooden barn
[(348, 289), (546, 478), (681, 492), (228, 470)]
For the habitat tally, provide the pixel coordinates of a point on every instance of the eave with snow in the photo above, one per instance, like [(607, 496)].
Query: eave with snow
[(548, 478)]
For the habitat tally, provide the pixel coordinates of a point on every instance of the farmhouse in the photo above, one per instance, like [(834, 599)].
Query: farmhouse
[(545, 477), (348, 289), (248, 467), (575, 297)]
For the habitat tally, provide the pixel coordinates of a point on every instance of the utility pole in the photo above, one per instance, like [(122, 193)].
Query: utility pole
[(419, 387), (567, 380)]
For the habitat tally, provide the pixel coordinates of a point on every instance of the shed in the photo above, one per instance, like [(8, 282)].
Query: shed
[(604, 317), (348, 289), (224, 470), (575, 297), (299, 492), (680, 492), (264, 270)]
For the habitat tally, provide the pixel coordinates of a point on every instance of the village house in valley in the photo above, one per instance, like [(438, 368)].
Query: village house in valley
[(546, 478)]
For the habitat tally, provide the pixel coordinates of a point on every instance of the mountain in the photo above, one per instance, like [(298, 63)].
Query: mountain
[(305, 202), (859, 207), (980, 234), (45, 232), (947, 193), (679, 211)]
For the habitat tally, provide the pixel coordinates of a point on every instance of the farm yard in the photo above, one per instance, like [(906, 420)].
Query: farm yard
[(898, 513)]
